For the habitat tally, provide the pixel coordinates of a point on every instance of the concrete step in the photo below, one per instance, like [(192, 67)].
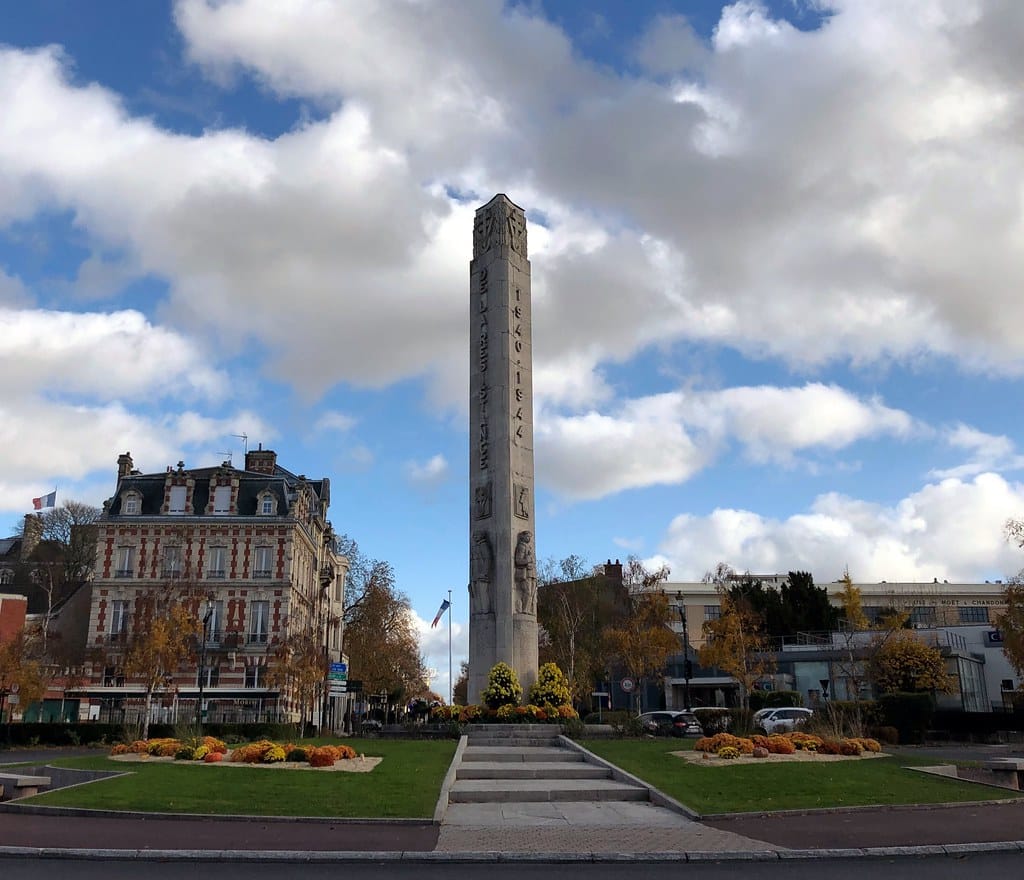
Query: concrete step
[(499, 770), (519, 754), (514, 742), (485, 791)]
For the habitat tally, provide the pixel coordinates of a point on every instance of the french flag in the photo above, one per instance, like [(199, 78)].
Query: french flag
[(45, 501), (445, 605)]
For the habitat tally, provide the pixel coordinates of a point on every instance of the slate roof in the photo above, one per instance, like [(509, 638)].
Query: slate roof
[(282, 484)]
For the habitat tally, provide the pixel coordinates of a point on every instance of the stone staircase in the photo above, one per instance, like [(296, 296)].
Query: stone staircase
[(525, 763)]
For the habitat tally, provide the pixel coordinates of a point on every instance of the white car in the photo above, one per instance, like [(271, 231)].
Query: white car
[(781, 720)]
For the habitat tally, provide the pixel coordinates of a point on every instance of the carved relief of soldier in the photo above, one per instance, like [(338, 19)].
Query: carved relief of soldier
[(526, 575), (481, 571)]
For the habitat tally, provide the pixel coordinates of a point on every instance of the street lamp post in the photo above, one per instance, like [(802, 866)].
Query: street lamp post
[(687, 666), (202, 664)]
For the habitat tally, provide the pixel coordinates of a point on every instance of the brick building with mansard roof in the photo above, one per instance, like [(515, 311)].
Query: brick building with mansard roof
[(253, 547)]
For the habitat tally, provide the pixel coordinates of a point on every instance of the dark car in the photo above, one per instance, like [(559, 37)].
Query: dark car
[(669, 722)]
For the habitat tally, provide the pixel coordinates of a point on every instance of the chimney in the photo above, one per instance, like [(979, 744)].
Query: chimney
[(613, 570), (261, 461), (124, 465), (31, 536)]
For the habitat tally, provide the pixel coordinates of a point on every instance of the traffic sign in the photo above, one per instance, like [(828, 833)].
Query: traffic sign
[(628, 685)]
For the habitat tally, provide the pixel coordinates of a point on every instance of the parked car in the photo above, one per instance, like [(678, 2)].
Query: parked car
[(781, 720), (670, 722)]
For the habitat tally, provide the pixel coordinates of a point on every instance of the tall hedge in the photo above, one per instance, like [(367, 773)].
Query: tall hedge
[(910, 713)]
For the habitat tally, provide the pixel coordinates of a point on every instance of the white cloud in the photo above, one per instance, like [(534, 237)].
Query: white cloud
[(428, 473), (334, 421), (106, 356), (988, 452), (667, 438), (34, 435), (868, 212), (946, 530)]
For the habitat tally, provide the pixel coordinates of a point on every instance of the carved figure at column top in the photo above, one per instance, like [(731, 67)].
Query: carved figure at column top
[(499, 223), (481, 572), (526, 575)]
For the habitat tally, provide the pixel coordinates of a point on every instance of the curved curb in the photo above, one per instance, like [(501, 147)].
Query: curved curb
[(77, 812), (280, 856)]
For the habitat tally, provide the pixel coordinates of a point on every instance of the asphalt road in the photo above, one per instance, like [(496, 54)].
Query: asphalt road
[(929, 868)]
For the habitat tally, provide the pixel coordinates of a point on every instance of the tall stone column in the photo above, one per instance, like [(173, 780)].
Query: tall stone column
[(502, 555)]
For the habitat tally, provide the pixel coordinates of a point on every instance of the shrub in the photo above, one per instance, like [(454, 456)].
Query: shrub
[(714, 720), (869, 745), (741, 721), (728, 752), (121, 749), (506, 712), (298, 754), (469, 714), (830, 747), (745, 745), (163, 748), (759, 741), (885, 733), (322, 757), (273, 755), (503, 688), (780, 745), (909, 713), (551, 687), (185, 753), (255, 753), (850, 747), (808, 742), (774, 699)]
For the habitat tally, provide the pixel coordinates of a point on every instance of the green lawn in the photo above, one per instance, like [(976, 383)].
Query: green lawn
[(781, 786), (405, 784)]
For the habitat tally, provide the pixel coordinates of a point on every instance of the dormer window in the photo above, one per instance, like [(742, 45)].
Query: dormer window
[(222, 500), (177, 500), (266, 504), (132, 504)]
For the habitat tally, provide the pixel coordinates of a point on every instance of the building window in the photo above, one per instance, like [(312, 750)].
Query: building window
[(973, 614), (112, 677), (1006, 684), (131, 505), (118, 619), (255, 676), (6, 576), (172, 562), (259, 622), (262, 568), (922, 615), (210, 676), (177, 502), (712, 612), (218, 562), (222, 500), (267, 505), (872, 613), (125, 562), (215, 625)]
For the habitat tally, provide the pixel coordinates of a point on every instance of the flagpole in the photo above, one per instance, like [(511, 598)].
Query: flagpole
[(450, 683)]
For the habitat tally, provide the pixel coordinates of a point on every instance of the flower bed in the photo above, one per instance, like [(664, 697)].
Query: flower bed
[(725, 745), (210, 750)]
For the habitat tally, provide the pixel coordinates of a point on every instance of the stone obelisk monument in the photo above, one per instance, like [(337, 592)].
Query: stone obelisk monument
[(502, 549)]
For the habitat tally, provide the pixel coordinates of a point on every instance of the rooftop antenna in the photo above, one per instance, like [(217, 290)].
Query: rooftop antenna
[(226, 456), (245, 441)]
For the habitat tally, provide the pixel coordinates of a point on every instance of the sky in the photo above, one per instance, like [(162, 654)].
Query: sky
[(777, 258)]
